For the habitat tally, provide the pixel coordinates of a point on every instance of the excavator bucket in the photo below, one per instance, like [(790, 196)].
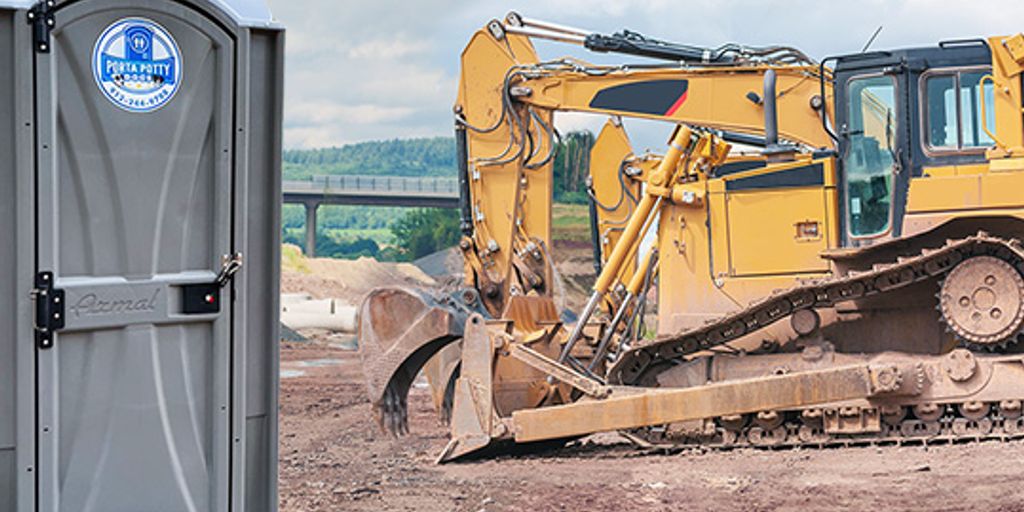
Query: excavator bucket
[(401, 329), (441, 372)]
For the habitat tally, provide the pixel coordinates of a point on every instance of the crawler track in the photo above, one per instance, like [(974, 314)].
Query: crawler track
[(948, 427), (633, 365)]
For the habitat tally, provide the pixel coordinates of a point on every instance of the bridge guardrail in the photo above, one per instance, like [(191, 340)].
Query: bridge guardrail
[(383, 184)]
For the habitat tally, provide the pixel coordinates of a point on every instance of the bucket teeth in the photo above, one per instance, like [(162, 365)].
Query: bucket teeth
[(393, 413)]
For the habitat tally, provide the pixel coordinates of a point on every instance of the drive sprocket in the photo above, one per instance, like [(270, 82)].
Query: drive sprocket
[(982, 301)]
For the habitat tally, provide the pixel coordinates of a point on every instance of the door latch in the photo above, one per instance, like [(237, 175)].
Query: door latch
[(230, 265), (204, 298), (49, 309)]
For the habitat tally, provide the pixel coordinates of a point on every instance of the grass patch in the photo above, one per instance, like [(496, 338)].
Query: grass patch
[(292, 259), (570, 222), (382, 236)]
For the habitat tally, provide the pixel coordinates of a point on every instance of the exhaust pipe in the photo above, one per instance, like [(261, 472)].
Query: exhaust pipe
[(774, 151), (771, 117)]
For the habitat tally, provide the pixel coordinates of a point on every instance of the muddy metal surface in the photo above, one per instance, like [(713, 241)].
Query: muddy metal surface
[(334, 458)]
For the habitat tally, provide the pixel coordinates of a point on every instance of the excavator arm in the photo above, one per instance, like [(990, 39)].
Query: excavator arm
[(504, 123), (727, 98)]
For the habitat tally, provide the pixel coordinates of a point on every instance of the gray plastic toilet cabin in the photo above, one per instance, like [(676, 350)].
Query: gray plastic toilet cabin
[(140, 151)]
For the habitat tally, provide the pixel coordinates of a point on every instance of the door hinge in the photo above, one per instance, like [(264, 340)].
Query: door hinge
[(41, 17), (49, 309)]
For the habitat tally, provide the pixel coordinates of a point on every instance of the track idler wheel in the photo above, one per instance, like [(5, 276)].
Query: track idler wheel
[(982, 301)]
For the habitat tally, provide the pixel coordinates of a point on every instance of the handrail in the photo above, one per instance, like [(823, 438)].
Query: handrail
[(984, 115)]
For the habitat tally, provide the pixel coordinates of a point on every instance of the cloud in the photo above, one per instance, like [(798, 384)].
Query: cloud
[(385, 69), (574, 121), (364, 71), (312, 114), (387, 49)]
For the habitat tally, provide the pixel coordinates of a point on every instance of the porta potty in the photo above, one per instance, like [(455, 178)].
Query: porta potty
[(140, 147)]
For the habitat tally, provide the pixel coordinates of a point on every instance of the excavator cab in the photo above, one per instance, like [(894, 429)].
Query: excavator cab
[(903, 115)]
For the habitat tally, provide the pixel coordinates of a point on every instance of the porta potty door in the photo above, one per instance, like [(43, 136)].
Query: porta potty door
[(134, 114)]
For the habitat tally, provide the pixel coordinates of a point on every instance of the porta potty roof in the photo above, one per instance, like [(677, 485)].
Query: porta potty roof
[(16, 4), (247, 13)]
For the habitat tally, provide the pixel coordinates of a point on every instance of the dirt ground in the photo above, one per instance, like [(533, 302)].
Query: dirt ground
[(334, 458)]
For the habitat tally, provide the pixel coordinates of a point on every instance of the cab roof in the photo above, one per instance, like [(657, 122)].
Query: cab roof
[(246, 13), (969, 52)]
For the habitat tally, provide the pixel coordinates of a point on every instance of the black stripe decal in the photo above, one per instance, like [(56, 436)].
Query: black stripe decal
[(654, 97), (806, 176), (735, 167)]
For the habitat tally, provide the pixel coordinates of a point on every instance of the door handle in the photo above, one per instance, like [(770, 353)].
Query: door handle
[(204, 298)]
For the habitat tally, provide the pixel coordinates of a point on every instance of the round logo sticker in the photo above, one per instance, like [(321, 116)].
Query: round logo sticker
[(137, 64)]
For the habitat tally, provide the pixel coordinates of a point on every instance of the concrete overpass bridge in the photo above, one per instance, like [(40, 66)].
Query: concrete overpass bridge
[(368, 191)]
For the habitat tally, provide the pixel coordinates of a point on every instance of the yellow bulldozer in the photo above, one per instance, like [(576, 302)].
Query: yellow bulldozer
[(833, 247)]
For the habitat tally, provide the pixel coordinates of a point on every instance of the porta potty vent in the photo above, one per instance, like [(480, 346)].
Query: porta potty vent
[(140, 179)]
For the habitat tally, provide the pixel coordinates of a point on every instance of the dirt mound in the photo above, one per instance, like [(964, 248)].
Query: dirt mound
[(348, 280), (442, 263), (574, 264)]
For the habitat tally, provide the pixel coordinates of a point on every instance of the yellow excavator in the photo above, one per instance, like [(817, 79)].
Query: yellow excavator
[(852, 275)]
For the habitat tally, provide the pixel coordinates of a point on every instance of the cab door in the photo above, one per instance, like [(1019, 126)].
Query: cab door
[(134, 172), (871, 158), (871, 112)]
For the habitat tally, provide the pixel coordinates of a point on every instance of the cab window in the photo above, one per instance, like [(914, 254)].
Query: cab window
[(953, 111), (869, 159)]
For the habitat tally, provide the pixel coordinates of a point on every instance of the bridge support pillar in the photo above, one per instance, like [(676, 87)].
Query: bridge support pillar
[(311, 228)]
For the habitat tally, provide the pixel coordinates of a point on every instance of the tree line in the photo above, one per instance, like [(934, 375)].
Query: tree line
[(398, 157), (402, 234)]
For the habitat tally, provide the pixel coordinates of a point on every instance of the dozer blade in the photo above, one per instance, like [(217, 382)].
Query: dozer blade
[(474, 422), (477, 426), (399, 331)]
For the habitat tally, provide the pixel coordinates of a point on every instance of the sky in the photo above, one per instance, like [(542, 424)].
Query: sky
[(385, 69)]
